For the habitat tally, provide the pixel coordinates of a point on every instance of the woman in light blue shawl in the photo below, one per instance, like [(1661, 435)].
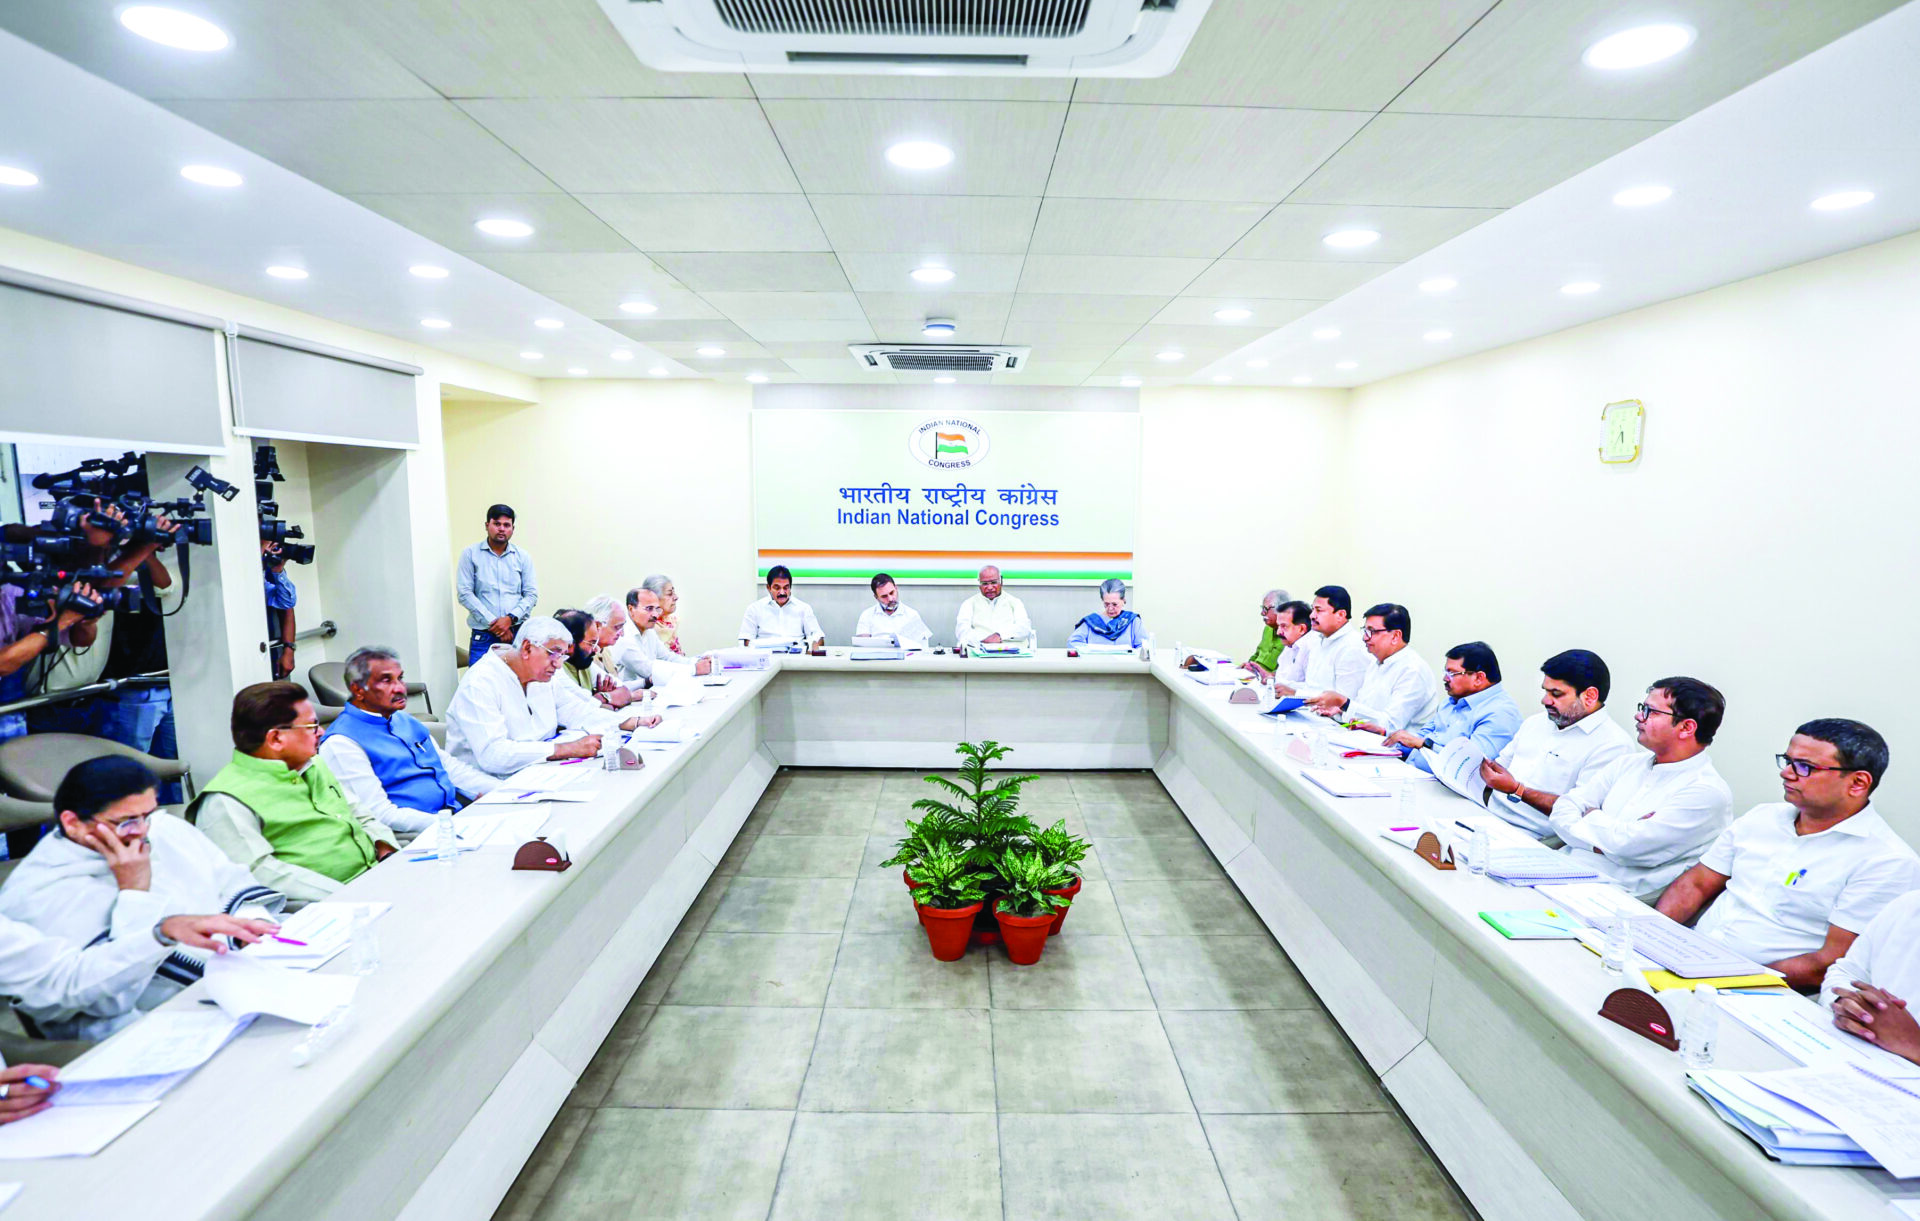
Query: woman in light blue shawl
[(1112, 624)]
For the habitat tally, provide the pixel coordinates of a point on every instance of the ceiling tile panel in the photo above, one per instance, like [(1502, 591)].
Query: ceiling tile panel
[(819, 349), (1309, 54), (609, 145), (1118, 275), (923, 224), (510, 48), (1000, 148), (587, 274), (1082, 307), (363, 147), (907, 330), (1267, 312), (1191, 339), (1175, 228), (1294, 231), (683, 330), (1195, 152), (1272, 278), (890, 87), (1094, 335), (774, 332), (1465, 161), (1047, 373), (800, 306), (892, 272), (711, 222), (936, 304), (1524, 58), (668, 303), (559, 223), (743, 273), (841, 371), (687, 350)]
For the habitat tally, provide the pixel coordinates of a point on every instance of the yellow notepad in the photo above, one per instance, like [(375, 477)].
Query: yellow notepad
[(1664, 981)]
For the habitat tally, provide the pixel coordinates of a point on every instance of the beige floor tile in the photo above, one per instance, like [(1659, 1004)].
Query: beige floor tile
[(1258, 1061), (843, 1167), (726, 1058), (1113, 1167), (1330, 1168), (1221, 973), (783, 905), (1057, 1061), (898, 971), (1076, 971), (901, 1060), (633, 1164), (780, 969)]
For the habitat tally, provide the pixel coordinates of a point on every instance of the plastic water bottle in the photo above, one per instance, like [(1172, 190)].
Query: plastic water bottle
[(1179, 656), (1702, 1027), (1616, 945), (1146, 648), (322, 1035), (363, 945), (446, 841), (1478, 849)]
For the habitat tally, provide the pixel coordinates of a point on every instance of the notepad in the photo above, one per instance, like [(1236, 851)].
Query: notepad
[(243, 986), (327, 927), (1667, 981), (1343, 783), (1533, 925), (1284, 706)]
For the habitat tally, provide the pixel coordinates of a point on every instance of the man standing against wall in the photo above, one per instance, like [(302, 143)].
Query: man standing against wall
[(495, 581)]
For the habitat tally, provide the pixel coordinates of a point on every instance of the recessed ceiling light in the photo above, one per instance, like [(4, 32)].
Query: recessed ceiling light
[(1170, 355), (1439, 284), (1301, 379), (531, 356), (756, 378), (1640, 197), (621, 354), (500, 226), (1580, 288), (1222, 378), (172, 28), (1437, 336), (281, 272), (576, 371), (14, 176), (1130, 381), (1840, 200), (656, 371), (920, 155), (427, 271), (710, 350), (939, 328), (1233, 313), (1257, 364), (1348, 364), (1638, 47), (1351, 239), (1327, 332), (435, 324), (933, 275), (548, 324), (638, 307), (210, 176)]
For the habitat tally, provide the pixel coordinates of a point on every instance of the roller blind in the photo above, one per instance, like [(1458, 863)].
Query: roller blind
[(83, 367), (289, 388)]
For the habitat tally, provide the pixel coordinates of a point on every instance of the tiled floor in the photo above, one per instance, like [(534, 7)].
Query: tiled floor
[(797, 1052)]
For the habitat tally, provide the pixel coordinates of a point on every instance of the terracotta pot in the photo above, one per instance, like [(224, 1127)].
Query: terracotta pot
[(1061, 917), (947, 929), (911, 887), (1025, 936), (985, 931)]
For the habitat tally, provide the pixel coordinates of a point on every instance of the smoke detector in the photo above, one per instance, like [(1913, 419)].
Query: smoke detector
[(939, 328), (914, 37), (938, 357)]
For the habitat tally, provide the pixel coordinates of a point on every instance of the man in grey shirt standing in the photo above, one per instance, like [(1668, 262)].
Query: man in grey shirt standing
[(495, 582)]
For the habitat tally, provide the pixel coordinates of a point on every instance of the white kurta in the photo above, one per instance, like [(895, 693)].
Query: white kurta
[(1887, 955), (501, 727), (794, 621), (1648, 822), (348, 761), (904, 623), (640, 659), (1004, 616), (51, 974), (1554, 760), (1397, 692), (1338, 662)]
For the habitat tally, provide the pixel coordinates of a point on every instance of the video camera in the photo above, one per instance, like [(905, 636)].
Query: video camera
[(42, 579), (266, 473)]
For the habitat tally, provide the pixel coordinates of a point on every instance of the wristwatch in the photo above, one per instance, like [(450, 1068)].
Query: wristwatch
[(160, 934)]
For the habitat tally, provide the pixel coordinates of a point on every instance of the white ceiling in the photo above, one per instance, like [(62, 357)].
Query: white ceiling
[(1099, 221)]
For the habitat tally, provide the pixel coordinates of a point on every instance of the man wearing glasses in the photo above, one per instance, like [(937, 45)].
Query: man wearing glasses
[(992, 616), (1399, 689), (277, 809), (1792, 883), (1282, 652), (1645, 819), (504, 715)]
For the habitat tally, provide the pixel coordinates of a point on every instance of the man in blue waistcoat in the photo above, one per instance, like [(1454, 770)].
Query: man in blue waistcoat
[(385, 759)]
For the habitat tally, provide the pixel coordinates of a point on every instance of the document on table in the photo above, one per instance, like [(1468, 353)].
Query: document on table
[(538, 783), (327, 926), (243, 986), (1343, 783), (1361, 740), (1804, 1031), (1379, 768), (1882, 1119), (141, 1062), (1457, 764), (666, 733), (1593, 901), (8, 1191), (70, 1131), (1686, 952)]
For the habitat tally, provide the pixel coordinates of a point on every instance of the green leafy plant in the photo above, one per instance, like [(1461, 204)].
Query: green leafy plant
[(947, 878), (984, 805), (935, 830), (1023, 878), (1061, 848)]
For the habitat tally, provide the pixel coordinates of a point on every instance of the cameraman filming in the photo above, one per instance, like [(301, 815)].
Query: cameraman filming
[(281, 599)]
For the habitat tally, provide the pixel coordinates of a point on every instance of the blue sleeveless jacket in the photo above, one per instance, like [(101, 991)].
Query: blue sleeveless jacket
[(403, 756)]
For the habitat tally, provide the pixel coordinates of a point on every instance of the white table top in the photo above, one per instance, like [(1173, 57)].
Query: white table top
[(1043, 661)]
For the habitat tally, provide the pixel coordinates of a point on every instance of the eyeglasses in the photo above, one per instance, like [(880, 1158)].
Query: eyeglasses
[(1642, 711), (300, 727), (1802, 768), (128, 826), (558, 655), (1368, 633)]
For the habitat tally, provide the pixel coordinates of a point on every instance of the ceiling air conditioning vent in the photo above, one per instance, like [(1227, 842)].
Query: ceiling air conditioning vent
[(916, 37), (938, 357)]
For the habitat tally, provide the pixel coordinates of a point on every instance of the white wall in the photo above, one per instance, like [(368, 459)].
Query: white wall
[(1762, 543)]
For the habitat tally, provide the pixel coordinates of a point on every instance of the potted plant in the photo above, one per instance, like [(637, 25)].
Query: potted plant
[(922, 837), (950, 891), (1030, 891), (983, 811), (1057, 847)]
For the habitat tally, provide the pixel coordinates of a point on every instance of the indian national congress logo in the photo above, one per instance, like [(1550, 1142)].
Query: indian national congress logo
[(949, 445)]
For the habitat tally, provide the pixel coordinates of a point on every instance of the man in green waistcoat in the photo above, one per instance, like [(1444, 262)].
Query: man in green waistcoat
[(278, 810)]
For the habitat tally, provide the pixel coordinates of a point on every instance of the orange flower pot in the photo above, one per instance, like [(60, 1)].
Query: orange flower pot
[(948, 929), (1025, 936), (1060, 917), (911, 887)]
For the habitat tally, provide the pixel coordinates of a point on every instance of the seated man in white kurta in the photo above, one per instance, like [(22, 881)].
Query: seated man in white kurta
[(780, 615), (1399, 689), (505, 716), (992, 616), (1555, 749)]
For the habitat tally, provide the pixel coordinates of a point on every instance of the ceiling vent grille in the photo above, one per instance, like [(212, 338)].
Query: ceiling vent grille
[(919, 37), (938, 357), (908, 18)]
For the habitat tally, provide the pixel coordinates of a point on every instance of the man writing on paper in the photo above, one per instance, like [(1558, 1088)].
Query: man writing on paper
[(1338, 661), (506, 713), (495, 584), (1647, 816), (1554, 749), (1399, 689), (389, 765), (888, 616), (779, 615), (277, 809), (992, 616), (1868, 989), (1792, 883), (1478, 709), (642, 658)]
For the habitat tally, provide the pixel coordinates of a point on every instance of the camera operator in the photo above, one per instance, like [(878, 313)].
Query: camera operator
[(281, 598), (28, 633)]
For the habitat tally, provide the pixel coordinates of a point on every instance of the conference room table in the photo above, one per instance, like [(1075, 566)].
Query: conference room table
[(496, 987)]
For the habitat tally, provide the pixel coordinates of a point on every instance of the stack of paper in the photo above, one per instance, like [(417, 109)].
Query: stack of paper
[(1532, 925), (1594, 901), (1342, 783), (245, 986), (999, 650), (743, 659), (142, 1061), (1881, 1118), (878, 652), (1103, 650), (1785, 1131), (1359, 741), (324, 928), (1685, 952), (1516, 858), (1805, 1033), (539, 783)]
